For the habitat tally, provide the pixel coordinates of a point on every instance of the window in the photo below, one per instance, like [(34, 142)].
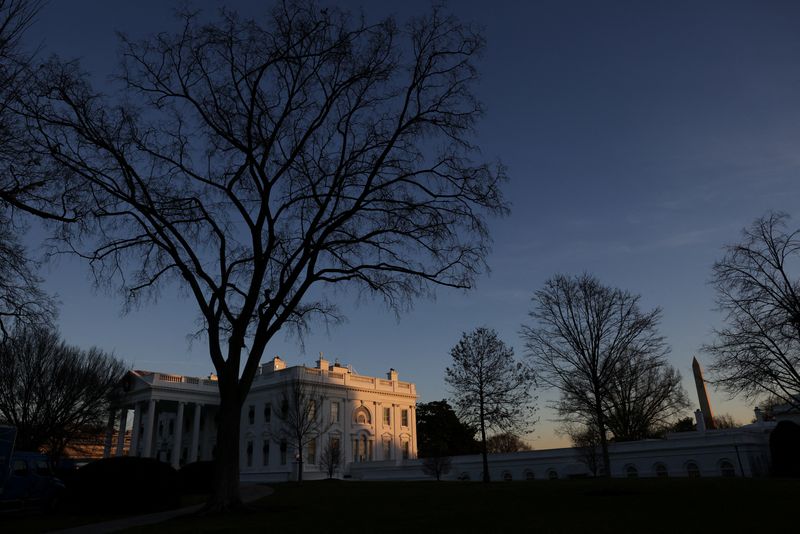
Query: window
[(171, 427), (552, 474), (249, 454), (464, 476), (251, 415), (631, 471), (406, 450), (312, 410), (404, 417), (284, 408), (160, 429), (311, 452), (529, 475), (387, 416), (265, 452), (334, 412), (267, 412), (726, 469), (661, 471), (362, 416), (387, 448), (692, 470), (283, 452), (43, 468), (507, 476), (20, 468)]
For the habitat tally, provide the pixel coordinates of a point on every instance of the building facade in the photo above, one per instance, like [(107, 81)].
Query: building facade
[(369, 419)]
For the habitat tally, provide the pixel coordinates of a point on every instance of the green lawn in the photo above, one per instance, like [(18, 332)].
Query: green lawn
[(641, 506)]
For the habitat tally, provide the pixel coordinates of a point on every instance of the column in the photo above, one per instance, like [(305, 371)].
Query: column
[(398, 453), (195, 433), (123, 423), (413, 429), (347, 439), (109, 432), (137, 422), (176, 444), (147, 449)]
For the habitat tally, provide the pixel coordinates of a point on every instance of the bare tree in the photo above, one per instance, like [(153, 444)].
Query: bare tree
[(301, 418), (436, 465), (331, 457), (586, 441), (54, 393), (583, 331), (490, 388), (757, 353), (505, 442), (253, 161), (22, 303), (645, 395)]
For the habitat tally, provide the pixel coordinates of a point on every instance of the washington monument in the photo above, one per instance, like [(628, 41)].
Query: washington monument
[(702, 395)]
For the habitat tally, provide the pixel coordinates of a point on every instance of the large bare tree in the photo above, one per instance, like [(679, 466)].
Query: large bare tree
[(257, 163), (491, 389), (52, 392), (22, 302), (582, 334), (757, 352)]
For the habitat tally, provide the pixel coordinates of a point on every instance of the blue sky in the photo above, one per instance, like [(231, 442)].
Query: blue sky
[(640, 138)]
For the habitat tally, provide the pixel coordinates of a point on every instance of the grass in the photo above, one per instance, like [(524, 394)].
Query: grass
[(34, 521), (640, 506)]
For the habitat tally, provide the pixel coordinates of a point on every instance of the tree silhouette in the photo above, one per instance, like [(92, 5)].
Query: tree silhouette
[(490, 388), (757, 353), (584, 333), (257, 163)]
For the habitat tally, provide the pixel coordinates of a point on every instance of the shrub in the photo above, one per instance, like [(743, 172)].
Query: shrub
[(197, 477), (125, 484)]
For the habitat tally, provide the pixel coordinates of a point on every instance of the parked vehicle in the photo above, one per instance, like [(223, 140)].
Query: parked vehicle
[(26, 480)]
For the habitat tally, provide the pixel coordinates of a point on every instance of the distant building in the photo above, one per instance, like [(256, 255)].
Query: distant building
[(373, 420)]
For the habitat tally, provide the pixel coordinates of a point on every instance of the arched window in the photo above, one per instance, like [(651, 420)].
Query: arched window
[(507, 476), (464, 476), (631, 471), (529, 475), (552, 474), (692, 470), (661, 470), (726, 468), (361, 416)]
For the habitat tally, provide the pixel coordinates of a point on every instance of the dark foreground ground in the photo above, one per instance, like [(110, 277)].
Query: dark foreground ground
[(641, 506)]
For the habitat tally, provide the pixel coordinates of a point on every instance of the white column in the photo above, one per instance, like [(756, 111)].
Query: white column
[(398, 453), (137, 422), (413, 430), (347, 439), (123, 422), (176, 444), (147, 450), (195, 433), (109, 432)]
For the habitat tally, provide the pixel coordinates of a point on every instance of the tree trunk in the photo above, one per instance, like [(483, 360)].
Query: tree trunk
[(226, 464), (300, 465), (601, 429), (484, 452)]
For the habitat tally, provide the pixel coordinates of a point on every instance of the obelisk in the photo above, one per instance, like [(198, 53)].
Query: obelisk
[(702, 395)]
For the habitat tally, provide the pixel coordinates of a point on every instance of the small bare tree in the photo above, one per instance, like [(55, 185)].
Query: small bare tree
[(582, 335), (757, 353), (436, 465), (54, 393), (258, 163), (301, 418), (586, 441), (331, 457), (490, 388)]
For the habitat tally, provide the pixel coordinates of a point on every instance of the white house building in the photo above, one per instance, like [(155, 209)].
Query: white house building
[(174, 419), (373, 422)]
